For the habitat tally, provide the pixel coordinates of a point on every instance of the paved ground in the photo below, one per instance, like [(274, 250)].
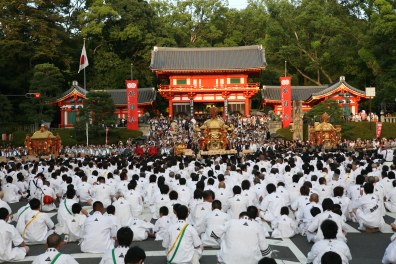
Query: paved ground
[(365, 248)]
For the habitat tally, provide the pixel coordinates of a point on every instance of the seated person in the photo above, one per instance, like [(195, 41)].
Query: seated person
[(117, 254), (75, 223), (11, 243), (329, 243), (52, 254), (162, 224), (37, 225)]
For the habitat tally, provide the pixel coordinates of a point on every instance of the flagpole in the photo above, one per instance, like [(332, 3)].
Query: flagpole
[(85, 78)]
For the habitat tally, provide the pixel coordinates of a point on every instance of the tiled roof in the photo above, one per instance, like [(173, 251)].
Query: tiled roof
[(299, 93), (145, 95), (74, 86), (304, 93), (219, 58)]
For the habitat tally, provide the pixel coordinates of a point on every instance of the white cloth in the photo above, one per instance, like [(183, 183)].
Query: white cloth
[(38, 230), (9, 236), (214, 223), (243, 241), (97, 234), (49, 256), (323, 246), (368, 213), (140, 229), (73, 226), (161, 226), (284, 227), (119, 254), (189, 242), (390, 253)]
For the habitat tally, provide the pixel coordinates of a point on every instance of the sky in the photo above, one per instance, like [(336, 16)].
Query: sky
[(239, 4)]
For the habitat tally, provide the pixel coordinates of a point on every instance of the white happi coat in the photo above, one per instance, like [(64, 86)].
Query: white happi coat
[(119, 254), (368, 211), (390, 253), (140, 229), (97, 234), (214, 223), (39, 229), (243, 241), (9, 236), (49, 256), (189, 242), (284, 227), (323, 246)]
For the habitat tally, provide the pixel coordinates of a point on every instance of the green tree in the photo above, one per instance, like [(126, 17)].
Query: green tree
[(98, 110), (48, 81), (5, 109), (331, 107)]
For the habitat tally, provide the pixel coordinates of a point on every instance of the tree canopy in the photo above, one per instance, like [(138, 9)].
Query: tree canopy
[(320, 40)]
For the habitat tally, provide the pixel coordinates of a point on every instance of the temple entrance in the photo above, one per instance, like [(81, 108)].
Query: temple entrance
[(202, 110)]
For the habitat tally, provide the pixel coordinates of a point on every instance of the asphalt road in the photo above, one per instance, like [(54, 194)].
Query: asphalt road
[(365, 248)]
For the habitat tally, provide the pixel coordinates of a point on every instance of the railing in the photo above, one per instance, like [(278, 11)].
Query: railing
[(389, 119), (222, 87)]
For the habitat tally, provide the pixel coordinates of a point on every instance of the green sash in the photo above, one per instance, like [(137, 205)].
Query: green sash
[(56, 258)]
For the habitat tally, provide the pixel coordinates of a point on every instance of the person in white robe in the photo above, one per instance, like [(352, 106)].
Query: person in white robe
[(271, 205), (37, 225), (329, 243), (117, 254), (284, 226), (213, 224), (98, 232), (390, 203), (135, 199), (201, 210), (47, 190), (123, 210), (243, 241), (65, 210), (75, 223), (390, 252), (236, 204), (185, 235), (162, 224), (327, 213), (141, 229), (52, 254), (102, 192), (11, 191), (83, 190), (367, 210), (12, 246)]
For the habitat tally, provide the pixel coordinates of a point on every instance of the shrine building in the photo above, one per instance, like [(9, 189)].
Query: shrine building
[(346, 95), (71, 101), (199, 78)]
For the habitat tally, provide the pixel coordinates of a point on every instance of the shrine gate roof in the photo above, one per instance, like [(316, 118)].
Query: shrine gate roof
[(145, 96), (308, 93), (206, 59)]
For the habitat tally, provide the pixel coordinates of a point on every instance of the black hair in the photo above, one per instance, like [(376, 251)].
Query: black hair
[(110, 209), (124, 236), (134, 255), (329, 229), (76, 208), (182, 212), (164, 210)]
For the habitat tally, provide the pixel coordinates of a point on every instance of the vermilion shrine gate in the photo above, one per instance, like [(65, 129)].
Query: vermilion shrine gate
[(201, 78)]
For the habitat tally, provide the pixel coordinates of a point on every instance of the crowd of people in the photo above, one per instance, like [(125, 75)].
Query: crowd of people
[(193, 203)]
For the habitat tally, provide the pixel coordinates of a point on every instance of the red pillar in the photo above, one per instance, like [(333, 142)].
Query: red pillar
[(170, 108), (247, 106), (62, 117)]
